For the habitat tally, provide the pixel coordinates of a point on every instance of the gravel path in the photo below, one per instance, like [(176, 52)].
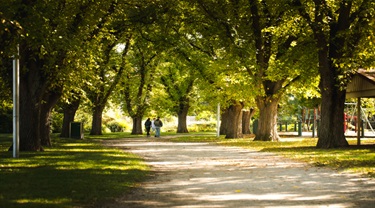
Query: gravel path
[(207, 175)]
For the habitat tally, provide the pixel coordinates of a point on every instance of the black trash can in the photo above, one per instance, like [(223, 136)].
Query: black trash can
[(76, 130)]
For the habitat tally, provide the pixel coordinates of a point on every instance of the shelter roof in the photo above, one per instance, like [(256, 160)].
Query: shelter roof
[(362, 85)]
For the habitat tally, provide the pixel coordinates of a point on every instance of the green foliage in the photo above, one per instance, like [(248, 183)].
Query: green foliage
[(57, 120), (200, 127), (72, 173), (117, 126)]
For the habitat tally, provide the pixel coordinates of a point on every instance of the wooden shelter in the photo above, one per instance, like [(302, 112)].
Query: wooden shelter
[(362, 85)]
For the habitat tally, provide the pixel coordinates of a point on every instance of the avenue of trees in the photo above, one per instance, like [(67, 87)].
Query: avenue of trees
[(174, 56)]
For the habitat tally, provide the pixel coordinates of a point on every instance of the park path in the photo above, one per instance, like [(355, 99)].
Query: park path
[(207, 175)]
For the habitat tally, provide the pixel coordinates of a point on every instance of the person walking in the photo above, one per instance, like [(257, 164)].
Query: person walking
[(158, 124), (148, 126), (153, 124)]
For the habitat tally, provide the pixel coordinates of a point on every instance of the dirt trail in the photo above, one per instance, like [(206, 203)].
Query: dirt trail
[(207, 175)]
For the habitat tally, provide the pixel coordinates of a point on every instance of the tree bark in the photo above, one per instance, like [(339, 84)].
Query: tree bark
[(331, 131), (137, 125), (49, 101), (234, 122), (246, 117), (267, 126), (97, 120), (33, 84), (224, 121), (182, 115), (69, 114)]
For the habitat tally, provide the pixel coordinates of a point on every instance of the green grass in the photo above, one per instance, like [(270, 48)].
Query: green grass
[(72, 173), (354, 159)]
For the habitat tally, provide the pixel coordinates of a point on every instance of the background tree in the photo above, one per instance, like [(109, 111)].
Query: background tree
[(69, 109), (47, 43), (262, 37), (137, 81), (341, 31), (106, 75), (178, 80)]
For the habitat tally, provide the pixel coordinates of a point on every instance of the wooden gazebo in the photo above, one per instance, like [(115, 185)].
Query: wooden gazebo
[(362, 85)]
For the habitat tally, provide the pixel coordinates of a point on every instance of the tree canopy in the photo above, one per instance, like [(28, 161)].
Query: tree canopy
[(246, 53)]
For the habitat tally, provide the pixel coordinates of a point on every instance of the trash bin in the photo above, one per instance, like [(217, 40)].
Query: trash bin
[(76, 130)]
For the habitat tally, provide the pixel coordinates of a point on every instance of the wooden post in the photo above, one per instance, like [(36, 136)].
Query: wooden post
[(359, 121)]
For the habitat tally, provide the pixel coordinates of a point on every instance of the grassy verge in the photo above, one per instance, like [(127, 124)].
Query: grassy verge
[(355, 159), (72, 173)]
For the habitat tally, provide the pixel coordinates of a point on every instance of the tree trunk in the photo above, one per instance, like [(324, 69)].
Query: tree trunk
[(182, 114), (246, 117), (69, 114), (224, 121), (48, 103), (96, 127), (331, 130), (33, 84), (137, 125), (267, 126), (234, 122), (29, 120)]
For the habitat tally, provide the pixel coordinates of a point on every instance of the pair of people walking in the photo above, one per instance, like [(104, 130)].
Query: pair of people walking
[(155, 125)]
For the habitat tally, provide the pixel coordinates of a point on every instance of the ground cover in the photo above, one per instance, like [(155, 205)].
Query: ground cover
[(71, 173)]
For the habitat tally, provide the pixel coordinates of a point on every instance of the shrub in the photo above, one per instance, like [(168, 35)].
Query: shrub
[(206, 127), (117, 126)]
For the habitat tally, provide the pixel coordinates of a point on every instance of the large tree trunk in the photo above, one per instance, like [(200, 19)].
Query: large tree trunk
[(33, 84), (48, 103), (331, 130), (69, 114), (137, 125), (246, 117), (182, 114), (267, 124), (29, 120), (234, 122), (96, 127), (224, 121)]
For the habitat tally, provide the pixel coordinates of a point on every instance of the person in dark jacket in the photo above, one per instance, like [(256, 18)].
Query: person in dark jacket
[(158, 124), (148, 126)]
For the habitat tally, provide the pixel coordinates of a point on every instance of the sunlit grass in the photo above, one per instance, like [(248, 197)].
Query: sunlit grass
[(71, 173)]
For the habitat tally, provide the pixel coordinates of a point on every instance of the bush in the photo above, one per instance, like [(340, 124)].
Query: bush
[(202, 127), (117, 126), (56, 122)]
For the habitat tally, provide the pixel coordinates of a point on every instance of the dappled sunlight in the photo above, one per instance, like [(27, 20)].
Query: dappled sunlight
[(42, 201), (71, 173), (203, 175)]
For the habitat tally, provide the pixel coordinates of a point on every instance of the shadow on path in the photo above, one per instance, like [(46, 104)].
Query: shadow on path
[(206, 175)]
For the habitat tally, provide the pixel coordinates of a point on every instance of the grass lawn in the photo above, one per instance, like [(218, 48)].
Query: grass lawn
[(354, 159), (72, 173)]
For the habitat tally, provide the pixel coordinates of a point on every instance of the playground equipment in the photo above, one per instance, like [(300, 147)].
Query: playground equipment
[(352, 115)]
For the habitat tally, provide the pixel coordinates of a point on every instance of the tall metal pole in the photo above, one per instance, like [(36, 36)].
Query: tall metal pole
[(16, 90), (218, 121)]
